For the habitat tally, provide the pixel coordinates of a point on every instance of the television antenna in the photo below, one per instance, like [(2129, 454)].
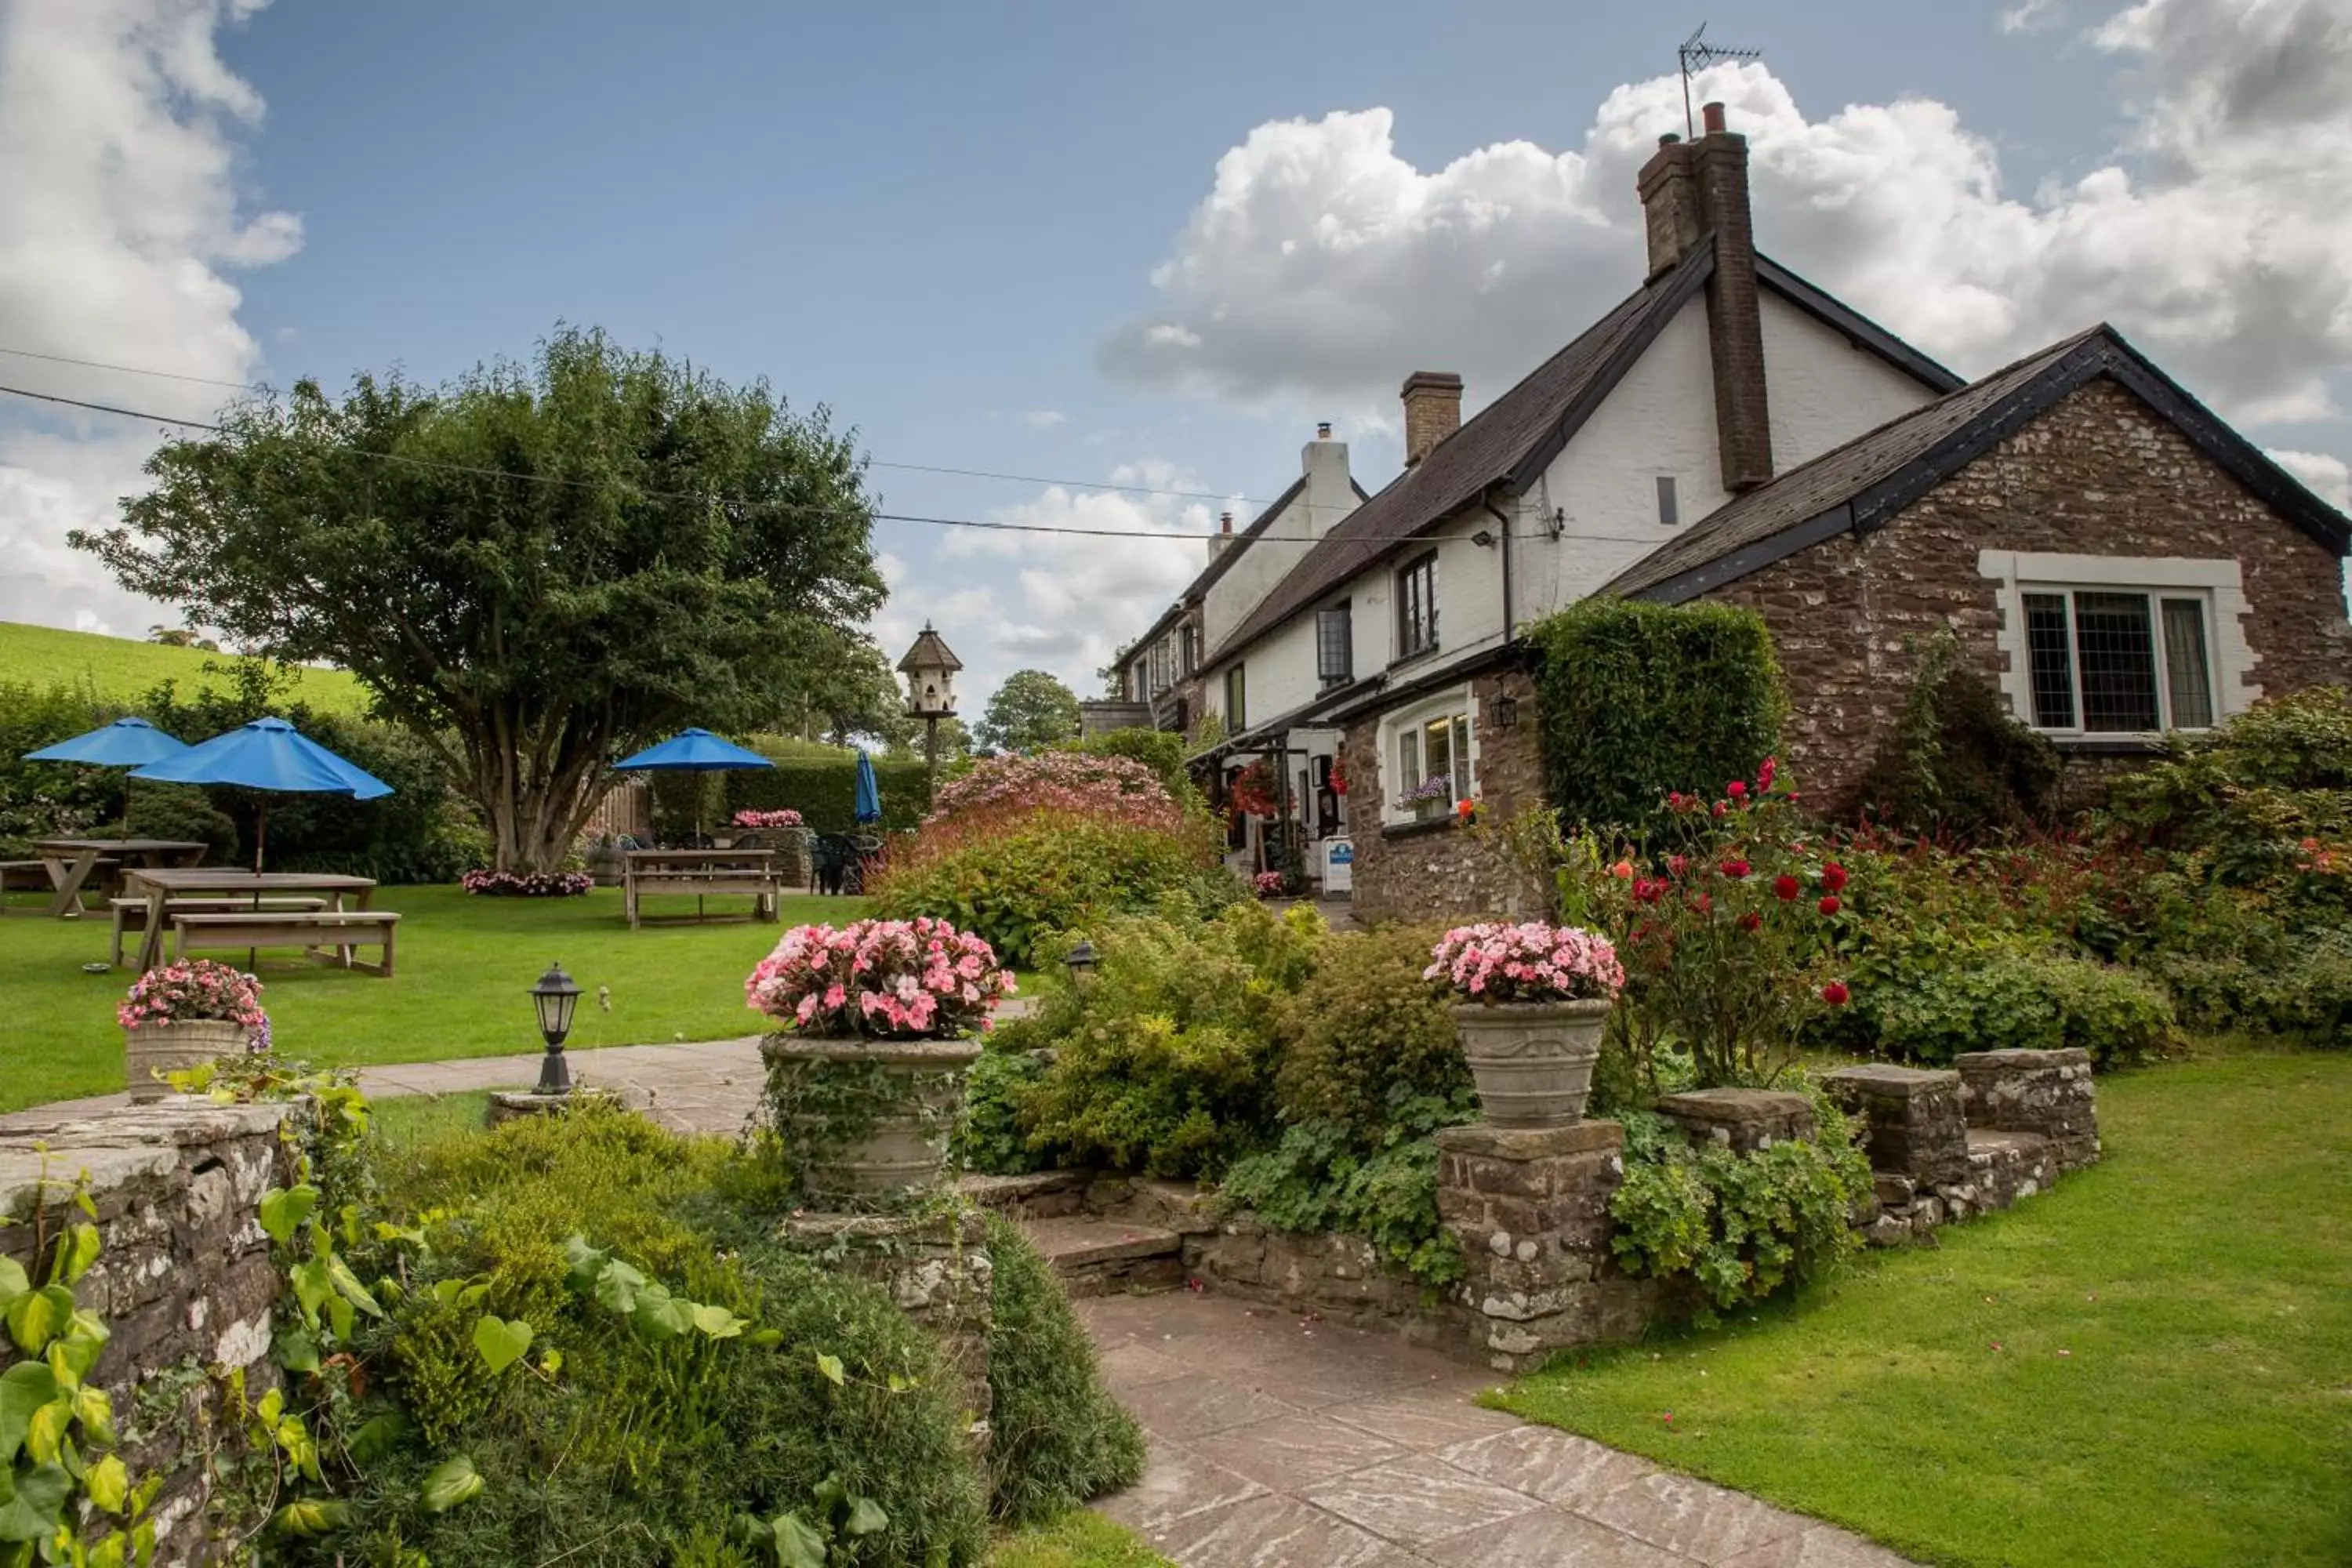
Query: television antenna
[(1696, 54)]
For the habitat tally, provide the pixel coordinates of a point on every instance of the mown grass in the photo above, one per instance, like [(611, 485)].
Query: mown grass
[(1079, 1540), (120, 669), (2149, 1366), (465, 967)]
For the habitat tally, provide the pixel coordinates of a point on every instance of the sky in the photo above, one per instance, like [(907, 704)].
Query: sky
[(1130, 255)]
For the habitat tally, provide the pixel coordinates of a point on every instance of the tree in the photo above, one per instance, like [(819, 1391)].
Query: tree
[(955, 742), (850, 695), (532, 568), (1029, 712)]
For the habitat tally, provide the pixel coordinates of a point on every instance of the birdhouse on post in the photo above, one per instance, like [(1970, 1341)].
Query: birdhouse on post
[(930, 667)]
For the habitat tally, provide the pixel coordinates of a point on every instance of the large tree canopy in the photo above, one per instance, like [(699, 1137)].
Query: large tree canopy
[(1032, 710), (533, 567)]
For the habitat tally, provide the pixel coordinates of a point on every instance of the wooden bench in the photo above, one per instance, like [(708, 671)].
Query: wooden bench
[(131, 914), (319, 933)]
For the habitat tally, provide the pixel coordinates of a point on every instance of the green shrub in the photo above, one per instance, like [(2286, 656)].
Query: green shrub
[(991, 1137), (1056, 1438), (1640, 699), (1957, 761), (2027, 1003), (1740, 1227), (1366, 1034), (1049, 874), (1322, 1178), (823, 790), (1162, 750), (1165, 1064)]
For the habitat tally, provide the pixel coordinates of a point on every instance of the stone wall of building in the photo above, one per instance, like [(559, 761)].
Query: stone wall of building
[(184, 1278), (2100, 474), (1440, 870)]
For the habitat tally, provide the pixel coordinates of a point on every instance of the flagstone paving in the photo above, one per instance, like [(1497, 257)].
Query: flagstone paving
[(1282, 1442)]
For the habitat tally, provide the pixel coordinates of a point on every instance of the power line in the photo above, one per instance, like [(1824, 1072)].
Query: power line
[(801, 508), (875, 462)]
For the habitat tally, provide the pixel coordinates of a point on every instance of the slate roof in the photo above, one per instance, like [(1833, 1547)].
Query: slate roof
[(1513, 439), (1864, 484), (1223, 561)]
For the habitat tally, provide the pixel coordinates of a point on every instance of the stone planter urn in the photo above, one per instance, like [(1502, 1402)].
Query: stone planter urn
[(160, 1045), (1532, 1061), (868, 1122)]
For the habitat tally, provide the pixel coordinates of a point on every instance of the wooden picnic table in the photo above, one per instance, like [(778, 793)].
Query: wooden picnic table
[(70, 861), (159, 885), (701, 873)]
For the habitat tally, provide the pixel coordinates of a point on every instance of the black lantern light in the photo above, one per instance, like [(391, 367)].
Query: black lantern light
[(555, 997), (1081, 960)]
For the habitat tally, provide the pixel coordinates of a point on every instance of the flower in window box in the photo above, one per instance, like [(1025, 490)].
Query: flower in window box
[(1435, 787)]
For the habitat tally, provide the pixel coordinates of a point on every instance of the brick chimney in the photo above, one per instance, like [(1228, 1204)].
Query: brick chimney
[(1223, 540), (1432, 411), (1692, 193)]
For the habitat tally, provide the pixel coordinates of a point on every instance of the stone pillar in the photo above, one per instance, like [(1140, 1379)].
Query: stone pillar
[(2043, 1092), (936, 1267), (1741, 1119), (1916, 1133), (1531, 1211)]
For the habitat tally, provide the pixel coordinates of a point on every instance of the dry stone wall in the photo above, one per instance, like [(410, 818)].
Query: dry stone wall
[(184, 1280)]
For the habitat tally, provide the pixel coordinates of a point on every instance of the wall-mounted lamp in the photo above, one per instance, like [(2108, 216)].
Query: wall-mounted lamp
[(1483, 540), (1506, 713)]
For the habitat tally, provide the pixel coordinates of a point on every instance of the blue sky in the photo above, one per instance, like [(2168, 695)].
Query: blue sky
[(980, 234)]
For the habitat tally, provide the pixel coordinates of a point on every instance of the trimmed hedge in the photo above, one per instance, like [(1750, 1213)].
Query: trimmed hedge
[(822, 789), (1641, 698)]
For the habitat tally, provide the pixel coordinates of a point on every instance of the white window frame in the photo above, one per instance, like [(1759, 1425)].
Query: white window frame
[(2218, 582), (1455, 702)]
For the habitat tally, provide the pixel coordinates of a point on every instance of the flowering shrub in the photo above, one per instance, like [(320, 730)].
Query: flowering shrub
[(1530, 962), (919, 979), (1098, 788), (1728, 937), (1270, 884), (783, 817), (527, 885), (193, 989)]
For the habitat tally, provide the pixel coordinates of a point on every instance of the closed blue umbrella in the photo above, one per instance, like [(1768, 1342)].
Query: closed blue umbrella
[(869, 790), (266, 754), (125, 743), (694, 752)]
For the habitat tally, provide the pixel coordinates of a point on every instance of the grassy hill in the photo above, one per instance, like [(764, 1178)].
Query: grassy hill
[(123, 669)]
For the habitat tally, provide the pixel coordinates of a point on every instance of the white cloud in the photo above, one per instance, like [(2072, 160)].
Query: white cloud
[(2032, 16), (1045, 419), (2219, 239), (117, 126), (2329, 476)]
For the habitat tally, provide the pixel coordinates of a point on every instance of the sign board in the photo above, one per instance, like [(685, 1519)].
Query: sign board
[(1338, 866)]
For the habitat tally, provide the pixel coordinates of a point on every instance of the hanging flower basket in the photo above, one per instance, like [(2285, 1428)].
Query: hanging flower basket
[(1251, 793)]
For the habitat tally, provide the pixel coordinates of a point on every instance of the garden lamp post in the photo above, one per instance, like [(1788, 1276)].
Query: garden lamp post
[(930, 667), (555, 997), (1081, 960)]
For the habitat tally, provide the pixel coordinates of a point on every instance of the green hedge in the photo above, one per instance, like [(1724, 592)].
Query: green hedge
[(1640, 699), (822, 789)]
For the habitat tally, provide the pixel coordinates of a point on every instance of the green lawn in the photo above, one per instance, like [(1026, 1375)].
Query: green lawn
[(2149, 1366), (121, 669), (1080, 1539), (465, 966)]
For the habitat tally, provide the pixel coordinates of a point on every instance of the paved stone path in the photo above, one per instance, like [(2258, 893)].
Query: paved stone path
[(1283, 1443)]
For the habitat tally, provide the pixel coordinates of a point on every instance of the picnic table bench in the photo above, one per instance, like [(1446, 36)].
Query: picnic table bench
[(71, 863), (699, 874), (158, 885), (130, 915), (327, 935)]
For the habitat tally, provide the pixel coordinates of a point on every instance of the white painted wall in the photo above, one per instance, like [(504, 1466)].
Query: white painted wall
[(1824, 391), (1326, 497)]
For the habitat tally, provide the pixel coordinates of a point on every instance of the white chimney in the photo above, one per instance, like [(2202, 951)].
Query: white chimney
[(1329, 495), (1223, 540)]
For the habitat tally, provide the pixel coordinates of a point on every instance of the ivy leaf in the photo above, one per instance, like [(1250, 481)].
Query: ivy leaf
[(768, 1339), (296, 1350), (36, 1317), (108, 1484), (716, 1322), (283, 1211), (660, 1315), (617, 1285), (498, 1342), (453, 1481), (77, 1251), (32, 1502), (311, 1516), (311, 1287), (13, 1282), (585, 1262), (339, 1317), (377, 1438), (347, 1285), (44, 1435), (24, 1388), (866, 1517), (831, 1366), (798, 1545), (94, 1409)]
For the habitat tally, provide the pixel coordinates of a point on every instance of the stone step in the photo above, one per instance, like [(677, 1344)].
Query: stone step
[(1105, 1257)]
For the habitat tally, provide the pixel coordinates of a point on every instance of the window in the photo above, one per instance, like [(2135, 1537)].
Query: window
[(1189, 646), (1436, 761), (2117, 661), (1669, 512), (1335, 646), (1159, 660), (1236, 701), (1417, 607)]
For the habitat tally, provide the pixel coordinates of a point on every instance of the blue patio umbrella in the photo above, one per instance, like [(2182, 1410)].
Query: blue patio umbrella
[(266, 754), (869, 790), (694, 752), (125, 743)]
